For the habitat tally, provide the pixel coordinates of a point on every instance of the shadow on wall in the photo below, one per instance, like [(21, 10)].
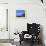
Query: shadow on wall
[(41, 34)]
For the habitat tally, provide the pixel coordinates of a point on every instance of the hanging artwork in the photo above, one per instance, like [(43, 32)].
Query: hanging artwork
[(20, 13)]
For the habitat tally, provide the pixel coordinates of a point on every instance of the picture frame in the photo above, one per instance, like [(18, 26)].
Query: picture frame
[(20, 13)]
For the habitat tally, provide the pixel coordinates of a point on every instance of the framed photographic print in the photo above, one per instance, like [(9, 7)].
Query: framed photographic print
[(20, 13)]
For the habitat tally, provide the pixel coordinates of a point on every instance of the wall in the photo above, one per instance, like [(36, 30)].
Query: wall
[(3, 1), (35, 12)]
